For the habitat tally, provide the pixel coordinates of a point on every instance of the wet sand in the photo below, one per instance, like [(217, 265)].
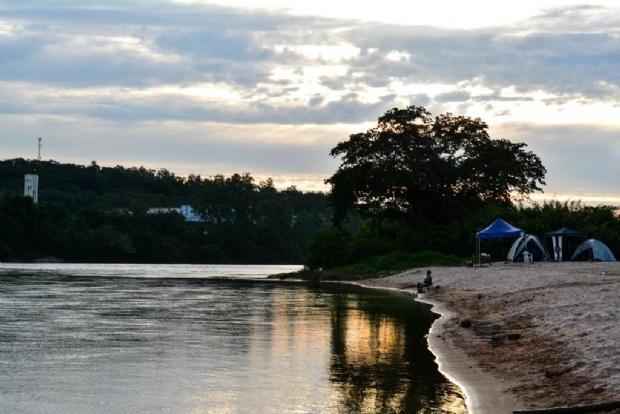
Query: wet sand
[(520, 336)]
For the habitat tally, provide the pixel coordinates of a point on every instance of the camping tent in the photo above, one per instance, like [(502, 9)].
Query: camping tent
[(556, 238), (498, 230), (528, 243), (565, 231), (594, 250)]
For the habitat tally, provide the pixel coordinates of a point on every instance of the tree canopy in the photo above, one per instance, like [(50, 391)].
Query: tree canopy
[(411, 165)]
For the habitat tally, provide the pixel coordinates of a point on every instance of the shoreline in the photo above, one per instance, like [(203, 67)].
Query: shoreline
[(543, 335), (484, 394)]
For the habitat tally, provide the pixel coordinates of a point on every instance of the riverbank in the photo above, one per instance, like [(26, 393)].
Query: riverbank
[(525, 335)]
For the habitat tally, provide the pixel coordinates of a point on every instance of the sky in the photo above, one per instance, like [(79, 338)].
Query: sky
[(270, 87)]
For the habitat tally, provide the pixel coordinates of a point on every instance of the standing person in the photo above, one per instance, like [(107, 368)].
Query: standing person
[(557, 248)]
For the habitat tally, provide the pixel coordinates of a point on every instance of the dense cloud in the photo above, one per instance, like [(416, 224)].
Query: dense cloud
[(127, 64), (580, 160)]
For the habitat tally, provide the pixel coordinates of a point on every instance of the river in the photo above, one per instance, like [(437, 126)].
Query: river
[(85, 339)]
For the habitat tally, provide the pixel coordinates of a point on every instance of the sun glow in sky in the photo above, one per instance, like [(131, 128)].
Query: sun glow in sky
[(269, 87)]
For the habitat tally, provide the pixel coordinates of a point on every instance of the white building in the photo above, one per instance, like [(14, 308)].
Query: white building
[(189, 214), (157, 210), (186, 211), (31, 186)]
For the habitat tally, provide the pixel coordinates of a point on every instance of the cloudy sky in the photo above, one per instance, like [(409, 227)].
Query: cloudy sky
[(269, 87)]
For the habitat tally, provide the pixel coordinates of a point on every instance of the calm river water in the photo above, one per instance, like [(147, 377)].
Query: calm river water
[(82, 339)]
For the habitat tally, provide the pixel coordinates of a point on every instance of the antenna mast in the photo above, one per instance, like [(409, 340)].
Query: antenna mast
[(40, 139)]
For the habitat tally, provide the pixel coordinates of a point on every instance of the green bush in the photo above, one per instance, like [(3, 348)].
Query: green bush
[(390, 263)]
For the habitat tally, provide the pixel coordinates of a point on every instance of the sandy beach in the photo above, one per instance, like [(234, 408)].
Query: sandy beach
[(518, 336)]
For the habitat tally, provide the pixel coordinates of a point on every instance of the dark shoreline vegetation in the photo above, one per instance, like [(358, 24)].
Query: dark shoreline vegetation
[(375, 267), (412, 191)]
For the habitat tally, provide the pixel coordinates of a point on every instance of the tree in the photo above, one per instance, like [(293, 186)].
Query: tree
[(413, 166), (222, 199)]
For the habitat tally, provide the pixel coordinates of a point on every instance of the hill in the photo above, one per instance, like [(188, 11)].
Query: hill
[(106, 214)]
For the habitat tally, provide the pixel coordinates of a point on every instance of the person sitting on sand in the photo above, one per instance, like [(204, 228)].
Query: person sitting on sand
[(428, 280), (426, 284)]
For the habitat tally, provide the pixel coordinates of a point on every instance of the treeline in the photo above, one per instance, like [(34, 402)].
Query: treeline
[(100, 214), (74, 187), (335, 247)]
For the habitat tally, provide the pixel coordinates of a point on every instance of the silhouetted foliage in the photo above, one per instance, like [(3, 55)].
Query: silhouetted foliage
[(412, 166), (101, 214)]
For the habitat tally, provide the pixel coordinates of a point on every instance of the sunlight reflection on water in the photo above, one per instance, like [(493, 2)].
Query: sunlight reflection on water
[(85, 341)]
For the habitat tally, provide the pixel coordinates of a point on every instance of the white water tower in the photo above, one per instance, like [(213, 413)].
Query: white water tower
[(31, 181), (31, 186)]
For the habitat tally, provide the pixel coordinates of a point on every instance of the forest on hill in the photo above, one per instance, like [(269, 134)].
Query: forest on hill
[(101, 214)]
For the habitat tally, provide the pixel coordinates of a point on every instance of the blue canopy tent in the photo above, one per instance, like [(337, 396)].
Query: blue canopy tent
[(498, 230)]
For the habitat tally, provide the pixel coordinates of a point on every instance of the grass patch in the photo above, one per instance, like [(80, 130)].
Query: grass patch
[(378, 266)]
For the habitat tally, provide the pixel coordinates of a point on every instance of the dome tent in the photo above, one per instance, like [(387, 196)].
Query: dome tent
[(594, 250), (531, 244)]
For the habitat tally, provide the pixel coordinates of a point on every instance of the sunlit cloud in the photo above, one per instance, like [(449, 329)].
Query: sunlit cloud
[(397, 56), (322, 53), (589, 199), (6, 29)]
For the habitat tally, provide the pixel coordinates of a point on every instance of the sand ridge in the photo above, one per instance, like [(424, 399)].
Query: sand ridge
[(548, 332)]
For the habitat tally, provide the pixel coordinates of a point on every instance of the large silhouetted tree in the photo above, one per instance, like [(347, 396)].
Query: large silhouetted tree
[(411, 165)]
